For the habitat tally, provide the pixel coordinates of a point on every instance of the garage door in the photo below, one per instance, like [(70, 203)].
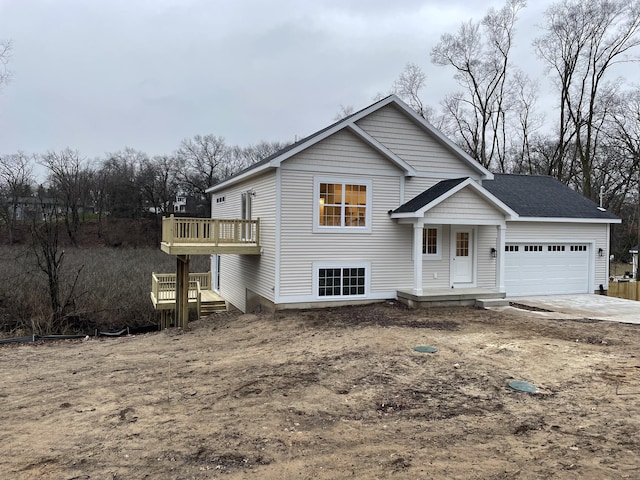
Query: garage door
[(546, 268)]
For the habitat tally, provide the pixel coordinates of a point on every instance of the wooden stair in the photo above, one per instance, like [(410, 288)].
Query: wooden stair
[(211, 307), (211, 303)]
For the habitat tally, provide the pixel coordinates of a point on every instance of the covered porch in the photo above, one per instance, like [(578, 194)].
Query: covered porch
[(458, 232)]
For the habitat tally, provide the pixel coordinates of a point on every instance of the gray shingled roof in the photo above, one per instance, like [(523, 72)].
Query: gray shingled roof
[(542, 196), (429, 195)]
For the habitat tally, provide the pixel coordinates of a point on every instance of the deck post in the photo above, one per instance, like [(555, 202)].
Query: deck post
[(182, 291)]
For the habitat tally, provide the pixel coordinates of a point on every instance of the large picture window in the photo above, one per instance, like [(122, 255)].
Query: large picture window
[(343, 205), (341, 282)]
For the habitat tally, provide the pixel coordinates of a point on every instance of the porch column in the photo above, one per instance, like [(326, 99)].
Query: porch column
[(417, 258), (500, 242)]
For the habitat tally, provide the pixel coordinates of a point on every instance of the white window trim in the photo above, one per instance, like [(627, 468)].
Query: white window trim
[(317, 228), (316, 278), (438, 254)]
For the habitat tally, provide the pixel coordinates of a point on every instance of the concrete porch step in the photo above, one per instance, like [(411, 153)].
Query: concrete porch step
[(492, 302)]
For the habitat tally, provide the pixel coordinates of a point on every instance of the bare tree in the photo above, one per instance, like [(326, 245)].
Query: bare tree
[(201, 162), (582, 40), (409, 85), (158, 182), (70, 179), (121, 194), (16, 183), (5, 55), (480, 55), (343, 112), (525, 94), (49, 260)]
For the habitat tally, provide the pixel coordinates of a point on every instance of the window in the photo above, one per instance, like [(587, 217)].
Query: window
[(533, 248), (341, 281), (578, 248), (219, 199), (342, 205), (555, 248), (431, 242), (511, 248)]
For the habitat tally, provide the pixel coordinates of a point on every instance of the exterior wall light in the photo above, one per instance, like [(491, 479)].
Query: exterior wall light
[(600, 252), (494, 253)]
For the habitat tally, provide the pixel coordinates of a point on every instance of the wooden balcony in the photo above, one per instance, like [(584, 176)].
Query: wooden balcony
[(206, 236)]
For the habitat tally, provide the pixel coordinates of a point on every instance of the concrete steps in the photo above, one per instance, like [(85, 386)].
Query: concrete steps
[(491, 302)]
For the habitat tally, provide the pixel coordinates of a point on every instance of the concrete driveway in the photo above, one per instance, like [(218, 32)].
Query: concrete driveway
[(584, 306)]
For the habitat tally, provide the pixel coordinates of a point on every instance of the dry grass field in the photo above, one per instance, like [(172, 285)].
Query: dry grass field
[(112, 291), (326, 394)]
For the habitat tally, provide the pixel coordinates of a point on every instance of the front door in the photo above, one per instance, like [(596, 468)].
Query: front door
[(462, 256)]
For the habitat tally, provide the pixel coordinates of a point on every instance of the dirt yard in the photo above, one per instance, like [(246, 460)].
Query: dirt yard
[(329, 394)]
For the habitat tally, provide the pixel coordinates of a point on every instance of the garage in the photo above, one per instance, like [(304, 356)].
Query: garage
[(538, 268)]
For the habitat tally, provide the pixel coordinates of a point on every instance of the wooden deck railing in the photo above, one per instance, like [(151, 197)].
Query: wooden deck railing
[(163, 287), (210, 231)]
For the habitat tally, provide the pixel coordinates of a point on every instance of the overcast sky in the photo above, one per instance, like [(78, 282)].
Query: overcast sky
[(102, 75)]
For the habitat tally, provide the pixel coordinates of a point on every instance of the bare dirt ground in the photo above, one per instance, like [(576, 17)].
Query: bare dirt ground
[(329, 394)]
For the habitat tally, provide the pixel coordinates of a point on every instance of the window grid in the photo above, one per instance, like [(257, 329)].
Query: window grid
[(462, 244), (430, 241), (578, 248), (341, 282), (343, 205)]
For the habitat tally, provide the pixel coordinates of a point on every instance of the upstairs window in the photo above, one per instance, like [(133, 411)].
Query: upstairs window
[(342, 205)]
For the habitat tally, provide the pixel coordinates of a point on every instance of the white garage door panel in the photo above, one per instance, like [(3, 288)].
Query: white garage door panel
[(546, 268)]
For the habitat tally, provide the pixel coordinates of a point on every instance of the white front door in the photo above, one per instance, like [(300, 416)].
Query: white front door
[(462, 256)]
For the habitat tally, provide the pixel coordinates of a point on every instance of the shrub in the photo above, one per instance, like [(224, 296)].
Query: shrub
[(112, 290)]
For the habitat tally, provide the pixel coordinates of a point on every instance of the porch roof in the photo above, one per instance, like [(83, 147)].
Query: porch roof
[(422, 203)]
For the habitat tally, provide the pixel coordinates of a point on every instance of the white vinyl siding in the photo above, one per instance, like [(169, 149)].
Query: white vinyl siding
[(463, 205), (254, 272), (344, 153), (387, 247), (400, 134), (568, 233), (487, 240), (436, 272)]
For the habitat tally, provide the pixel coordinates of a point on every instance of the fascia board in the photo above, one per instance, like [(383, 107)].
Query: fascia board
[(248, 174), (565, 220)]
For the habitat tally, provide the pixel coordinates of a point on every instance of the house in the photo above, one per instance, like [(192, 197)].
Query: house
[(381, 205)]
